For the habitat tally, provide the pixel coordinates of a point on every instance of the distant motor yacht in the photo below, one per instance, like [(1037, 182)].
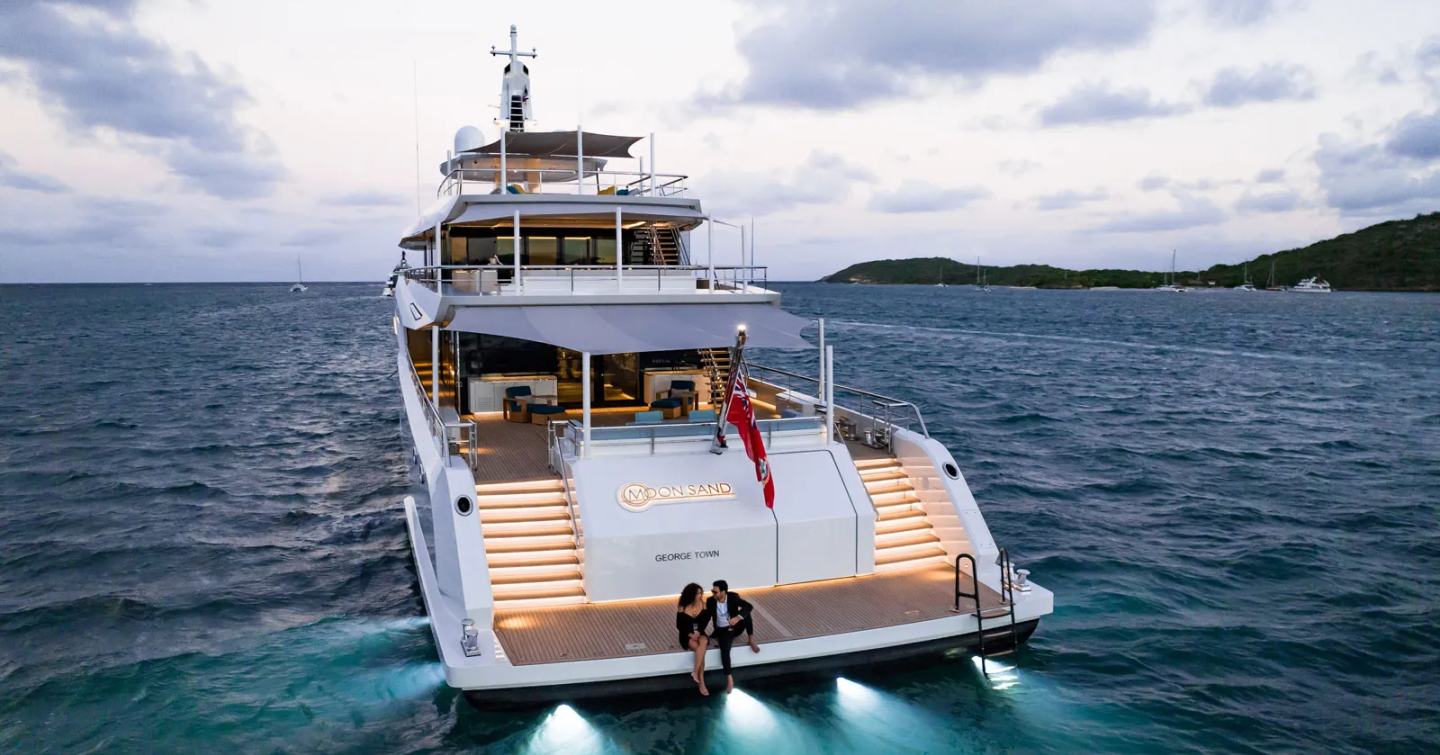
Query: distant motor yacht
[(1311, 286), (570, 372), (394, 278)]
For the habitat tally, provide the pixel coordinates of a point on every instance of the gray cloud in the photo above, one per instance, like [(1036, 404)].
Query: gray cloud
[(826, 55), (1417, 135), (824, 177), (11, 176), (1017, 167), (97, 72), (1239, 12), (1153, 181), (1065, 200), (1275, 201), (1270, 176), (918, 196), (1367, 179), (1232, 87), (1099, 103), (366, 198), (1192, 212)]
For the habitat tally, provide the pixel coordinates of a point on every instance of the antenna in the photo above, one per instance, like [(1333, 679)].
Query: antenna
[(515, 87), (415, 90)]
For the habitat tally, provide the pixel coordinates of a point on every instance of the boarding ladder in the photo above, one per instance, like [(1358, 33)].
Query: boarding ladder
[(1003, 611)]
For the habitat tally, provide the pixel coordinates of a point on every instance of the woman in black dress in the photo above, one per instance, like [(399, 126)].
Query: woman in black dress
[(690, 621)]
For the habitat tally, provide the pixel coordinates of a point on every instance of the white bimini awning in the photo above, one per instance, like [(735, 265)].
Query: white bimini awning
[(626, 328)]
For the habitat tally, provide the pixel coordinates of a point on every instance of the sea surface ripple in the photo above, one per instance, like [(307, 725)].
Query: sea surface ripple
[(1233, 496)]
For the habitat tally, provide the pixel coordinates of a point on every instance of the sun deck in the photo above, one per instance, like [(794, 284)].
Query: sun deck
[(597, 631)]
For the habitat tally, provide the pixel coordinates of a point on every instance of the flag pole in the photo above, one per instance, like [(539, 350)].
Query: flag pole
[(717, 443)]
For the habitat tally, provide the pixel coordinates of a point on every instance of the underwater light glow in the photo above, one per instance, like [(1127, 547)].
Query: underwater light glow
[(747, 713), (1001, 677), (855, 695), (564, 730)]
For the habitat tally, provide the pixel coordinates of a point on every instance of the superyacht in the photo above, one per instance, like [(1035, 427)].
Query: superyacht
[(577, 384)]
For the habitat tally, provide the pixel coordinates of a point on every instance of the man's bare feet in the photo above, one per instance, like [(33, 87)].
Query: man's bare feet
[(729, 684), (754, 647)]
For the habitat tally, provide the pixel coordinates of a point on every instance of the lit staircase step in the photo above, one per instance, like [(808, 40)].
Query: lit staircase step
[(880, 475), (894, 540), (522, 486), (504, 530), (905, 557), (517, 604), (507, 500), (908, 524), (518, 514), (892, 514), (892, 497), (536, 578), (532, 591), (868, 464), (564, 556), (516, 543)]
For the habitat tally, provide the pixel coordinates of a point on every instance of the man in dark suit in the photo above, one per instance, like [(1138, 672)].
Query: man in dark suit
[(732, 616)]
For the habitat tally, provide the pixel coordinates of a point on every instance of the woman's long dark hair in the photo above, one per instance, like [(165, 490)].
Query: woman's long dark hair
[(687, 596)]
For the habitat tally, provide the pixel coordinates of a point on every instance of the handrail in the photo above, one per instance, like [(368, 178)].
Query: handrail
[(1007, 596), (674, 431), (733, 278), (439, 428), (557, 464), (640, 186), (858, 391)]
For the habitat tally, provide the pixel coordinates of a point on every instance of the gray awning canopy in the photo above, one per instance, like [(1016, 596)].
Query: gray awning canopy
[(547, 143), (622, 329)]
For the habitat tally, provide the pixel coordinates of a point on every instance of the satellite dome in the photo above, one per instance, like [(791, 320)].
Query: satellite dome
[(468, 138)]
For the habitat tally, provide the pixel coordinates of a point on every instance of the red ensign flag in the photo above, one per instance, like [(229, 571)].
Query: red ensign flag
[(742, 415)]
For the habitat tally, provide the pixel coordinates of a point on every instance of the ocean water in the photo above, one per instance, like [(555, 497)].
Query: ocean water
[(1234, 497)]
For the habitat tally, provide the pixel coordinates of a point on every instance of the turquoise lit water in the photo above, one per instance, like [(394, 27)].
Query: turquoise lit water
[(1234, 497)]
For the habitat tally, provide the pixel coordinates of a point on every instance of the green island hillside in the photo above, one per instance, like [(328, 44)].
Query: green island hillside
[(1397, 255)]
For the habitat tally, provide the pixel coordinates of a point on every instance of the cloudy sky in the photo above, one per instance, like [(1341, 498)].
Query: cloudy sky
[(201, 140)]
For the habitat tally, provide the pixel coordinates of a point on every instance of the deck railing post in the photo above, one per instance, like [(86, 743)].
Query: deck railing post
[(585, 399), (619, 251), (579, 160), (504, 174), (830, 392), (516, 251)]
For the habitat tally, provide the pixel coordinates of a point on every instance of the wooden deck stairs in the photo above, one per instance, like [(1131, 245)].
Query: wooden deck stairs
[(904, 537), (530, 544)]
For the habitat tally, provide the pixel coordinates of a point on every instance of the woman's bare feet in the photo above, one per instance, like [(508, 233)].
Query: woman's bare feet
[(695, 677), (703, 691)]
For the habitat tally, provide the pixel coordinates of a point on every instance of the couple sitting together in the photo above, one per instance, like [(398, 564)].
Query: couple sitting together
[(731, 615)]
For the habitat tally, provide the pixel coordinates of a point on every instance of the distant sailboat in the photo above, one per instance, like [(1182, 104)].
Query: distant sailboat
[(980, 283), (1169, 284), (299, 287), (1271, 285), (1247, 285)]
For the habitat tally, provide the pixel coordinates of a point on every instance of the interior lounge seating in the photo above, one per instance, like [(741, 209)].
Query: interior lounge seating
[(541, 414), (669, 407), (702, 415), (648, 418), (683, 390)]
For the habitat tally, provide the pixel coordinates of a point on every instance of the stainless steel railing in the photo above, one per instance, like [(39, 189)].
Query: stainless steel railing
[(442, 432), (653, 435), (501, 280), (881, 405), (562, 181)]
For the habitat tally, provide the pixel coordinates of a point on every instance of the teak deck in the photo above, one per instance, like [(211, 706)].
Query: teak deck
[(790, 612)]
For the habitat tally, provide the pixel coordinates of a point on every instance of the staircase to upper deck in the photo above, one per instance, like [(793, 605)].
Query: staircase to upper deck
[(530, 544), (661, 244), (904, 537), (717, 363)]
